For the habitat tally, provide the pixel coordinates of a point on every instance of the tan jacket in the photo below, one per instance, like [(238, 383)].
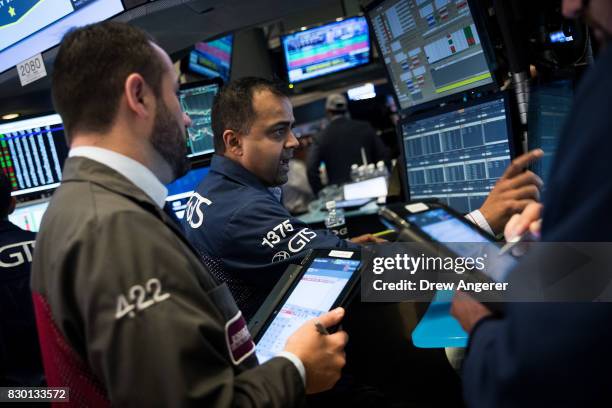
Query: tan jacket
[(134, 301)]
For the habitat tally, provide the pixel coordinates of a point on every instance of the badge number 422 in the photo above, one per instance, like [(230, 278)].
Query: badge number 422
[(142, 297)]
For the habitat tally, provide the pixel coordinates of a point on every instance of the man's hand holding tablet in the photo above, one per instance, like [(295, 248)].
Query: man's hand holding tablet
[(322, 355)]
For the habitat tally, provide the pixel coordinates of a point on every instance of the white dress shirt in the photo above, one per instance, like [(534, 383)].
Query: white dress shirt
[(477, 218), (137, 173)]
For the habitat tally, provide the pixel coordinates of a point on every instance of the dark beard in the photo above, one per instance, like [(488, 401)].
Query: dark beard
[(168, 140)]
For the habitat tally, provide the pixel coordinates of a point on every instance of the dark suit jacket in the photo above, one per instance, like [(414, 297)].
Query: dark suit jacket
[(105, 247), (558, 355), (339, 146)]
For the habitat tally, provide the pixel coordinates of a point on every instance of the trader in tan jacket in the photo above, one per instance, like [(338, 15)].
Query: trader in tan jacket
[(113, 277)]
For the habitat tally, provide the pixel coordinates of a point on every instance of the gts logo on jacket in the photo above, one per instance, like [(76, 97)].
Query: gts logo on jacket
[(16, 254), (194, 214)]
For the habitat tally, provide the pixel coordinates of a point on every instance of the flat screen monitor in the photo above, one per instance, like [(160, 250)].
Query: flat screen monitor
[(458, 155), (29, 27), (212, 59), (32, 153), (549, 106), (326, 49), (180, 190), (196, 100), (28, 216), (432, 49)]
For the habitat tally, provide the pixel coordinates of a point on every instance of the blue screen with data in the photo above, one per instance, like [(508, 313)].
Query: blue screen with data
[(457, 156)]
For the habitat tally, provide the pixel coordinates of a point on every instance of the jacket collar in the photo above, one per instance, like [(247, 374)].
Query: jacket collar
[(85, 169), (129, 168), (236, 172)]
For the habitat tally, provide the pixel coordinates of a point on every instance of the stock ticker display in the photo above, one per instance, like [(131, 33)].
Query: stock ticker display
[(213, 58), (32, 153), (431, 49), (457, 156), (329, 48)]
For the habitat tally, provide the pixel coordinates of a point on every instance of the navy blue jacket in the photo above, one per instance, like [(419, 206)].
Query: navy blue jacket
[(558, 354), (20, 361), (245, 235)]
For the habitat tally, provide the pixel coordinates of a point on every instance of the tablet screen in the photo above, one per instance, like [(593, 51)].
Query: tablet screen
[(315, 294), (465, 241), (443, 227)]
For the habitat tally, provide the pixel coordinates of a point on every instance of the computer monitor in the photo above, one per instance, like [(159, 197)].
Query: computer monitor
[(432, 49), (28, 215), (326, 49), (32, 153), (458, 155), (31, 27), (549, 106), (196, 100), (180, 190), (212, 59)]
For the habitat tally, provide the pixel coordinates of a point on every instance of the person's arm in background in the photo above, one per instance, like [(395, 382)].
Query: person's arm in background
[(297, 193), (312, 165), (514, 191)]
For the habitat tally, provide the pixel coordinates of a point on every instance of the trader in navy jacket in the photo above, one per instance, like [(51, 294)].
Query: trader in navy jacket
[(552, 354), (235, 218)]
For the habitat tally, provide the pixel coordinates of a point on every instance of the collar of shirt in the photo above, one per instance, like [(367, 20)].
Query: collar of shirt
[(234, 171), (132, 170), (277, 192)]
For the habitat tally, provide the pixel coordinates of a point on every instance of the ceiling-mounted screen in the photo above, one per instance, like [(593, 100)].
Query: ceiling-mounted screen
[(325, 49), (432, 49), (29, 27), (213, 59)]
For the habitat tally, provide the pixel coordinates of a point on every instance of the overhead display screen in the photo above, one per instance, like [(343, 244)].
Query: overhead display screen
[(329, 48), (431, 49), (29, 27), (213, 58)]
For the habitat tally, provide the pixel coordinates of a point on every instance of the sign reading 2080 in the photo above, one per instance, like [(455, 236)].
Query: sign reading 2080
[(20, 19)]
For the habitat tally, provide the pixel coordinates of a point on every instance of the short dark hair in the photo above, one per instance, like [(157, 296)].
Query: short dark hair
[(90, 71), (5, 195), (233, 106)]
